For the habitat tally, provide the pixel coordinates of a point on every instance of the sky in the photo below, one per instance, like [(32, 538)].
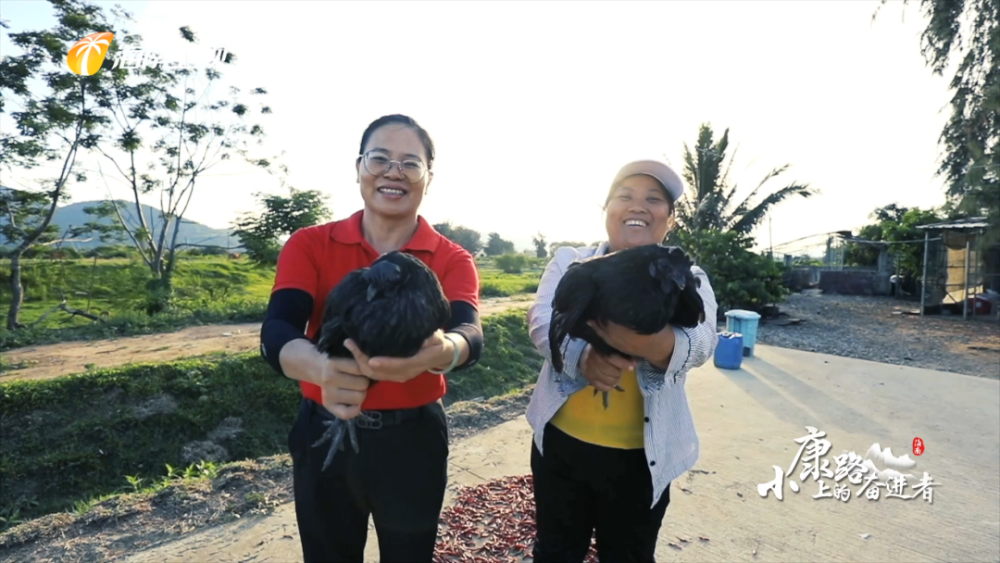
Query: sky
[(534, 106)]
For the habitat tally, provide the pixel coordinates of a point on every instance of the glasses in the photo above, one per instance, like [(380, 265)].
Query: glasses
[(378, 164)]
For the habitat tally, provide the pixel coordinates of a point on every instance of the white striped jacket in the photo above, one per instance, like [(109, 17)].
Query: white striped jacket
[(671, 444)]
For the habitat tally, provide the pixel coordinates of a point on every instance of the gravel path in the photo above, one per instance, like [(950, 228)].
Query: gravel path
[(870, 328)]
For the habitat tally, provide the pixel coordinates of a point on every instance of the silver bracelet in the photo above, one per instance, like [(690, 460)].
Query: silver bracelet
[(454, 361)]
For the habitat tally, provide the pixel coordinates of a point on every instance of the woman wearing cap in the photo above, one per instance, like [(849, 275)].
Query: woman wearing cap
[(610, 469), (399, 473)]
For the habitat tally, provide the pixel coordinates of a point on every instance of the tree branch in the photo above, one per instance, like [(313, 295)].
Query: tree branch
[(62, 306), (125, 227), (62, 240), (61, 182)]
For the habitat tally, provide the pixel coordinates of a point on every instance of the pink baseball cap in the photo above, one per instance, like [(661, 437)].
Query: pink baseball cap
[(657, 169)]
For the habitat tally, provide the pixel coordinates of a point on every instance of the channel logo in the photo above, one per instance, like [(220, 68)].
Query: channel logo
[(87, 55)]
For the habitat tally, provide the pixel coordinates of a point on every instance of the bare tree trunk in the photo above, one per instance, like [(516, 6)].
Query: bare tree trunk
[(168, 270), (17, 292)]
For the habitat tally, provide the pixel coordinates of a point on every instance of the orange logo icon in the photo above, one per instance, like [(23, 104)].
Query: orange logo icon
[(87, 55)]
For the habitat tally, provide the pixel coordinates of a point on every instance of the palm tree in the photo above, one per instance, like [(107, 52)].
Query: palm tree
[(712, 204)]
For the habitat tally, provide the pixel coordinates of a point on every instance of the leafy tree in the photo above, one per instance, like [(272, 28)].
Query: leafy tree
[(539, 243), (282, 216), (57, 114), (445, 229), (894, 224), (496, 246), (712, 204), (806, 260), (169, 116), (965, 34), (740, 278), (716, 229), (466, 238), (864, 255), (511, 263)]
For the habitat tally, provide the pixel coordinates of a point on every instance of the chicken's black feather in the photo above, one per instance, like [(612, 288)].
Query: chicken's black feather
[(642, 288), (388, 309)]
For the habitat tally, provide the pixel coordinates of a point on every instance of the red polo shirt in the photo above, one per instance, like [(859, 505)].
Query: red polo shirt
[(315, 259)]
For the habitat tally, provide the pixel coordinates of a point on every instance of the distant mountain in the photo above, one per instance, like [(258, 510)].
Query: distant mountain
[(190, 232)]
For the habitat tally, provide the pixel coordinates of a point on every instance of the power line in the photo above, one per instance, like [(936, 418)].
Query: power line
[(887, 242), (807, 237)]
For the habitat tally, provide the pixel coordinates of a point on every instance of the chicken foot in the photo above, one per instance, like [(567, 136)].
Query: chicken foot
[(335, 430), (617, 388)]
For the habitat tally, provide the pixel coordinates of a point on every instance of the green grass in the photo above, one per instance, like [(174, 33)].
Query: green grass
[(509, 361), (6, 365), (209, 290), (133, 323), (117, 286), (494, 283), (76, 438)]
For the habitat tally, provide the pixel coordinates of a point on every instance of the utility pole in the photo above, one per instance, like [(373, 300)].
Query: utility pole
[(923, 279), (965, 284), (770, 238)]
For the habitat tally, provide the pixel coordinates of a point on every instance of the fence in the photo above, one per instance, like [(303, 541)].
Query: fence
[(962, 267)]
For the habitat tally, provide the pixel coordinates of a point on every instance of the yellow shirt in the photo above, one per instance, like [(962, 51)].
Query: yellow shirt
[(584, 417)]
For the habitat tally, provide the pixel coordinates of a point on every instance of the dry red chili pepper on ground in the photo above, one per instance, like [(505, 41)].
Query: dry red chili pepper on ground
[(491, 523)]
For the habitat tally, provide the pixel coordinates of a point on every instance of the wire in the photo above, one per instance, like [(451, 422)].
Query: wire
[(877, 242), (806, 237)]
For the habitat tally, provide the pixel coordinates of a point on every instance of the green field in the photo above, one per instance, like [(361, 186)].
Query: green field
[(73, 438), (208, 289), (494, 283), (117, 286)]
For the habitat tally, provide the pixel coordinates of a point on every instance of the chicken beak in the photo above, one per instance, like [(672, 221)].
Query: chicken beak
[(678, 278)]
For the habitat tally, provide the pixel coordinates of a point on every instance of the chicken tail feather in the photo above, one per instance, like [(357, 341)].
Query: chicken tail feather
[(331, 336), (558, 331)]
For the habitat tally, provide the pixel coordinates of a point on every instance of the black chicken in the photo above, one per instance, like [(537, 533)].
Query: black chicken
[(389, 309), (642, 288)]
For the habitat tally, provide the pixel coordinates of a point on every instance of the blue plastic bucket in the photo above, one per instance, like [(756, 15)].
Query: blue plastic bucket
[(729, 352), (745, 323)]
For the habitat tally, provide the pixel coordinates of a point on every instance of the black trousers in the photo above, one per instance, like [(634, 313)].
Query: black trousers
[(398, 477), (580, 488)]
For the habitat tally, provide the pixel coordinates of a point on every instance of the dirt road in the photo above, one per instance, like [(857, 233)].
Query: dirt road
[(748, 421), (54, 360)]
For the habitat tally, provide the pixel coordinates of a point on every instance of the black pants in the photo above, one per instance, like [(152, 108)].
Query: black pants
[(398, 477), (580, 487)]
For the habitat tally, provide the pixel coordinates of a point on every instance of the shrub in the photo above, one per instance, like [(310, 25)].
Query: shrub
[(75, 437), (740, 278), (488, 289), (511, 263)]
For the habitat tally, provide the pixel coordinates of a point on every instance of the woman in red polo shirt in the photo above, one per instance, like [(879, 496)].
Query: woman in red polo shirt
[(399, 475)]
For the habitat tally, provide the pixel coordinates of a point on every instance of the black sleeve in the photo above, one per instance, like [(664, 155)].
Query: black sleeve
[(288, 313), (465, 321)]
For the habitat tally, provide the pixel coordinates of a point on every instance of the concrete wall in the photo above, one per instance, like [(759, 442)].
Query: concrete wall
[(854, 283), (799, 279)]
